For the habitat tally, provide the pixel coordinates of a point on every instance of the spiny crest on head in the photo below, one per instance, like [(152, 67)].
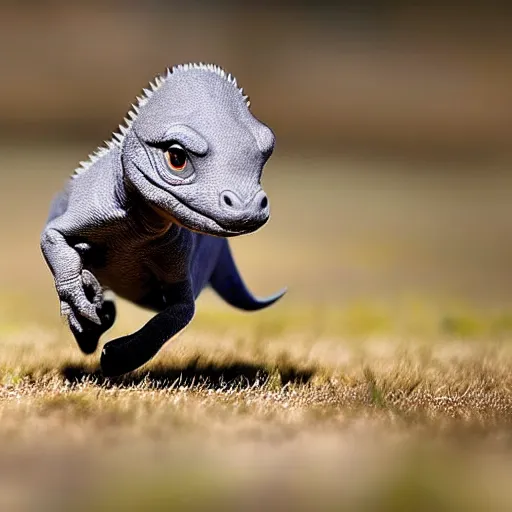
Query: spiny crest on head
[(147, 92)]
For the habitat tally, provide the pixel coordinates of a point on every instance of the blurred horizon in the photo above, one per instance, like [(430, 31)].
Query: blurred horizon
[(415, 80)]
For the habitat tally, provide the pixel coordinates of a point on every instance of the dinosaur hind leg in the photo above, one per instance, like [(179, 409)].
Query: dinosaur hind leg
[(127, 353)]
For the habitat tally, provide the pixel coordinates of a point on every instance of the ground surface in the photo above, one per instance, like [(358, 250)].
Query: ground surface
[(382, 382)]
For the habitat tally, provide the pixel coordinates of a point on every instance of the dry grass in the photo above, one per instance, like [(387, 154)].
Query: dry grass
[(328, 401), (255, 410)]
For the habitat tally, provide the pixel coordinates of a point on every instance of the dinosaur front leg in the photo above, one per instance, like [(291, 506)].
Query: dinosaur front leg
[(70, 277), (87, 333), (80, 293), (125, 354)]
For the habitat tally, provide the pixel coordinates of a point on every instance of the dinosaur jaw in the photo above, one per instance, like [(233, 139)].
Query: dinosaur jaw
[(185, 215), (202, 224)]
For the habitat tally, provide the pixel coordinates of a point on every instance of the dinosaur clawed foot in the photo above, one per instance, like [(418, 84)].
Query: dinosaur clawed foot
[(87, 333)]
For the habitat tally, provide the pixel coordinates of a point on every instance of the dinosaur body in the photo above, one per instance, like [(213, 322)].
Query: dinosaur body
[(149, 215)]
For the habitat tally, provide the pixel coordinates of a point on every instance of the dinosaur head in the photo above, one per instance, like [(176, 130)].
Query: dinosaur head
[(195, 151)]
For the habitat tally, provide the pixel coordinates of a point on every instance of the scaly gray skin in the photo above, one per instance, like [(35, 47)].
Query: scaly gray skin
[(131, 222)]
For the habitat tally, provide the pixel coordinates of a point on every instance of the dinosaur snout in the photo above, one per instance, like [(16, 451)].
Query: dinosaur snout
[(243, 215)]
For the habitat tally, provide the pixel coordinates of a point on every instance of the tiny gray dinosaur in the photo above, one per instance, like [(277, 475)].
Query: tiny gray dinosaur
[(148, 216)]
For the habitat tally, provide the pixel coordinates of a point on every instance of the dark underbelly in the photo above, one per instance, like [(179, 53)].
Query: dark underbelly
[(131, 282), (140, 271), (127, 273)]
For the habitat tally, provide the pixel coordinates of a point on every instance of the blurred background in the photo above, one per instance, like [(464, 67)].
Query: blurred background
[(393, 120), (409, 77), (412, 78), (390, 192)]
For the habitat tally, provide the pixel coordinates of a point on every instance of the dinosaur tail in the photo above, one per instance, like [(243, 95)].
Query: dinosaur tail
[(227, 282)]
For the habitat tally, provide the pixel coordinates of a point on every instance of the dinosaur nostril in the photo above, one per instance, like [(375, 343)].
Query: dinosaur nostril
[(227, 200), (264, 202)]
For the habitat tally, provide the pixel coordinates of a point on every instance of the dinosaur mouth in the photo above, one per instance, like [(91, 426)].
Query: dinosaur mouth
[(218, 230)]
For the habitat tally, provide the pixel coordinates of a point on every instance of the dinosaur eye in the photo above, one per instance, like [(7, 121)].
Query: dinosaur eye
[(176, 157)]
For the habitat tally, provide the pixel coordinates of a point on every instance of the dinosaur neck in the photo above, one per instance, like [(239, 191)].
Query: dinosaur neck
[(147, 220)]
